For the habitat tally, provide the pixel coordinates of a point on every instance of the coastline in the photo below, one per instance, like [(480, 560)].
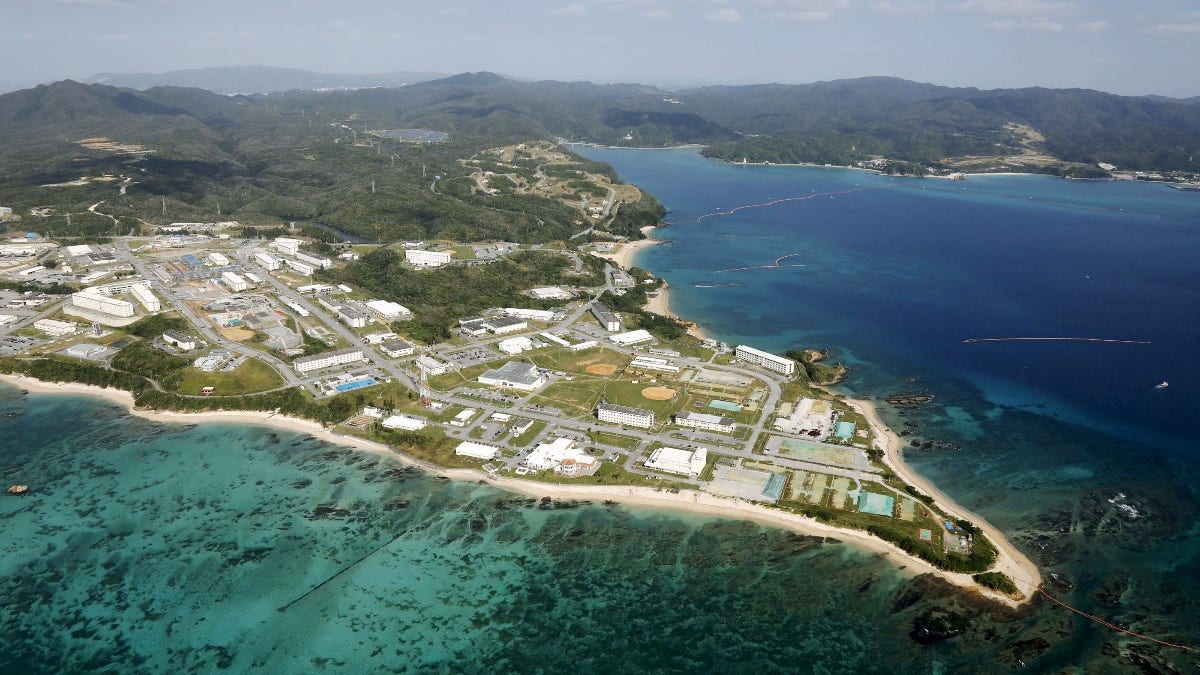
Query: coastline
[(691, 501), (625, 254), (1009, 560)]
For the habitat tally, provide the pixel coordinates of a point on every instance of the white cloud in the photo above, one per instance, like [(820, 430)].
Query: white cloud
[(1093, 26), (802, 10), (1185, 24), (724, 15), (900, 7), (577, 9), (1040, 25), (1176, 28), (1026, 8), (656, 13)]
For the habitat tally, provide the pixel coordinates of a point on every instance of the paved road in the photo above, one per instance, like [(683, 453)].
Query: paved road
[(201, 324), (555, 423)]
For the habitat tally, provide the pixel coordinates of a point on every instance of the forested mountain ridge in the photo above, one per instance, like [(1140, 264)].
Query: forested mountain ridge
[(305, 155)]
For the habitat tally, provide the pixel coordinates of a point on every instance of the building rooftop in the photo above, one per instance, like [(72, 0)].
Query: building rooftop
[(503, 322), (704, 417), (613, 407), (514, 371)]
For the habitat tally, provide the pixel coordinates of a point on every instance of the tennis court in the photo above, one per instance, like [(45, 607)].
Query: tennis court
[(875, 504), (724, 405)]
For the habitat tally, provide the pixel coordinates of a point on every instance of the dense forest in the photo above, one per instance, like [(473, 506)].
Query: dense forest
[(439, 297)]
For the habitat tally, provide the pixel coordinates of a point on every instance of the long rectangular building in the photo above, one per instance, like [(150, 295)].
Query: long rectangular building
[(328, 359), (607, 318), (102, 303), (620, 414), (765, 359), (705, 421), (269, 262), (653, 363), (426, 258), (143, 295), (675, 460)]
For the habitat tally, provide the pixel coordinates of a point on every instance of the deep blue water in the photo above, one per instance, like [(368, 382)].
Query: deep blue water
[(1053, 437), (897, 272)]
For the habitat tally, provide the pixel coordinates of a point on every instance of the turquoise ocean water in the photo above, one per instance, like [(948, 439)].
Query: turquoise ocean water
[(168, 548)]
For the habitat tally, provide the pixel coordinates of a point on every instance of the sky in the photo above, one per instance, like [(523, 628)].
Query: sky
[(1146, 47)]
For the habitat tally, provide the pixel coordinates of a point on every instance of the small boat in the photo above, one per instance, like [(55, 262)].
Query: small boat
[(1162, 385), (18, 489)]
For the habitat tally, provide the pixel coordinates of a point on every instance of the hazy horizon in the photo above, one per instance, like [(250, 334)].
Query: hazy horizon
[(988, 44)]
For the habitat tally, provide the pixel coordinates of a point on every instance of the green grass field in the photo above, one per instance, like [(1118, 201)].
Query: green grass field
[(615, 440), (575, 398), (625, 392), (250, 377), (576, 363)]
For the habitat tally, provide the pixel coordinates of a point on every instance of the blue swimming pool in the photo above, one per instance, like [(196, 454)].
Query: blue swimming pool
[(356, 384)]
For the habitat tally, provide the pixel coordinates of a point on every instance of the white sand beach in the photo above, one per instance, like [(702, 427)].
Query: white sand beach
[(1011, 562)]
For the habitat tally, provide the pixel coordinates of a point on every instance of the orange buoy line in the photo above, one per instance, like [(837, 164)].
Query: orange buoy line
[(1113, 626), (1063, 339)]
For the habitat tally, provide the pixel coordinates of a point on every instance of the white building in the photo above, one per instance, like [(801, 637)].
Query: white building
[(808, 416), (463, 418), (5, 211), (503, 324), (268, 261), (376, 338), (286, 245), (6, 319), (609, 320), (674, 460), (55, 327), (550, 293), (317, 261), (531, 314), (765, 359), (300, 268), (653, 363), (403, 422), (101, 303), (296, 307), (234, 282), (142, 293), (562, 456), (183, 342), (327, 359), (397, 348), (476, 450), (580, 346), (620, 414), (252, 277), (633, 337), (432, 366), (218, 259), (514, 375), (352, 317), (515, 345), (705, 421), (426, 258), (389, 311), (555, 339)]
